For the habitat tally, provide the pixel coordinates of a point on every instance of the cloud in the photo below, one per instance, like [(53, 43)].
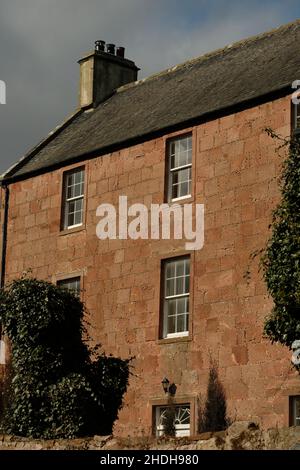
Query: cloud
[(41, 41)]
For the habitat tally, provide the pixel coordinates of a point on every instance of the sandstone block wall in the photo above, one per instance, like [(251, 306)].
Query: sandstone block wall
[(235, 170)]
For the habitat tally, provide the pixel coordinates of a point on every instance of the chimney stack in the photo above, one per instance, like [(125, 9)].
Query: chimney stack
[(121, 52), (110, 48), (100, 46), (102, 72)]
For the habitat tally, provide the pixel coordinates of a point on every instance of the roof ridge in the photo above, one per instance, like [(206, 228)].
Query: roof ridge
[(125, 118), (210, 54)]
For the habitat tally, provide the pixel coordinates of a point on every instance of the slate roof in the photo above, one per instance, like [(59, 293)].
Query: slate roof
[(235, 74)]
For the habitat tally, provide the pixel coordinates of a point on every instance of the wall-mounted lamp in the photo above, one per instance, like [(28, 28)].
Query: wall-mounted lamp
[(168, 388)]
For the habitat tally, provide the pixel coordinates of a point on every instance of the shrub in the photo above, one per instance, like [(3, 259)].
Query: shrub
[(59, 387), (281, 259)]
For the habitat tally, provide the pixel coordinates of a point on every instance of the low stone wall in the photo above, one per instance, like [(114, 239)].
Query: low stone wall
[(239, 436)]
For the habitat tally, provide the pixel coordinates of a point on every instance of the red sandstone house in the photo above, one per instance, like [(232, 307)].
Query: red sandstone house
[(125, 139)]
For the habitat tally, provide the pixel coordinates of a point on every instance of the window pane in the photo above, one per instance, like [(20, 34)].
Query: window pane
[(177, 315), (176, 307), (187, 284), (296, 410), (177, 277), (78, 218), (78, 177), (71, 207), (179, 286), (181, 305), (181, 183), (187, 266), (180, 267), (184, 189), (71, 219), (75, 185), (72, 284), (70, 192), (172, 147), (170, 287), (180, 152), (74, 193), (180, 155), (170, 270), (182, 415), (182, 419), (297, 111), (182, 323), (175, 192), (182, 176), (172, 307), (77, 190), (70, 179), (172, 325), (78, 205), (183, 145)]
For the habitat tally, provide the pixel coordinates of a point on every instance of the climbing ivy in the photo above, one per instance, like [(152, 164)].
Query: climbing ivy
[(281, 259), (59, 387)]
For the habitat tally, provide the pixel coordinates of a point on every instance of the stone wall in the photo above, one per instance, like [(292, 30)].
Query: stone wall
[(239, 436), (235, 169)]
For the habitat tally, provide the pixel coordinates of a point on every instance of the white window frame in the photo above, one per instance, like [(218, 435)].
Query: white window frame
[(295, 418), (166, 333), (181, 430), (67, 200), (172, 170)]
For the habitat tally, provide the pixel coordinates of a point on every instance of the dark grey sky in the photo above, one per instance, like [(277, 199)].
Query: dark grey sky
[(41, 41)]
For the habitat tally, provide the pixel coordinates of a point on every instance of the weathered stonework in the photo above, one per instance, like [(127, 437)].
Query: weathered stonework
[(235, 175), (240, 436)]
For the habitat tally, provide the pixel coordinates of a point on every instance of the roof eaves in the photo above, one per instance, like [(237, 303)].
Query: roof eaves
[(280, 91)]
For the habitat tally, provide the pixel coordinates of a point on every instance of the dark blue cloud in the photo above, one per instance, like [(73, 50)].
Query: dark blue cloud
[(41, 40)]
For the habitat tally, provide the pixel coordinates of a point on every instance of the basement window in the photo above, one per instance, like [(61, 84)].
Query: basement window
[(182, 419), (176, 297), (295, 410), (179, 155), (73, 193), (72, 284)]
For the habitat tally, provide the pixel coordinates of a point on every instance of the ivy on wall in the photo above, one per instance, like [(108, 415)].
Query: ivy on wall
[(281, 259), (59, 387)]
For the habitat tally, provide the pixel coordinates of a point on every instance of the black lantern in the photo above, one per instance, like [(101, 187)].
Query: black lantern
[(165, 383), (168, 388)]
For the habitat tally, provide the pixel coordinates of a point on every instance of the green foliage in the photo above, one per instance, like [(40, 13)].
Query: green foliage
[(214, 415), (58, 387), (281, 260)]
